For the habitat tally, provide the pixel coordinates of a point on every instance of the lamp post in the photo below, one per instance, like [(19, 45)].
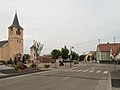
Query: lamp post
[(114, 62), (71, 56)]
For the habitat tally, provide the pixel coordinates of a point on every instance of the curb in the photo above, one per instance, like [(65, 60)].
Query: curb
[(109, 82), (20, 73)]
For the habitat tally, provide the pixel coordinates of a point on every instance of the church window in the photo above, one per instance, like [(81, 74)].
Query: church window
[(11, 31), (18, 32), (17, 41)]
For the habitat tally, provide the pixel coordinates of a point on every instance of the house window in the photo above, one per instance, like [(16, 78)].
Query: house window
[(105, 55)]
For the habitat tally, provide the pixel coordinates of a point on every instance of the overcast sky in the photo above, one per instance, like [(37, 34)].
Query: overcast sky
[(55, 23)]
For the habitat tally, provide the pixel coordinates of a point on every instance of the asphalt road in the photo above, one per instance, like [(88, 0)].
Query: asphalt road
[(88, 77)]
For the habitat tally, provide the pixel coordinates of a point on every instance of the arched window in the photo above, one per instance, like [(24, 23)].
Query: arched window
[(18, 32), (17, 41), (11, 31)]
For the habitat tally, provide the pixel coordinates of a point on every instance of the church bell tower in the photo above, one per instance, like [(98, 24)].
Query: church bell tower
[(15, 39)]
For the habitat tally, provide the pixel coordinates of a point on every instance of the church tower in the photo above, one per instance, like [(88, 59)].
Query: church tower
[(15, 40)]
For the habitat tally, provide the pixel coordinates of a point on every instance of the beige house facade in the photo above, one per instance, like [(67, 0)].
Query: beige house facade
[(13, 47), (91, 56), (33, 53)]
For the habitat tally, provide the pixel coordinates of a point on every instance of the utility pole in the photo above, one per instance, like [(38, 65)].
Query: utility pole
[(99, 41), (114, 56), (71, 47)]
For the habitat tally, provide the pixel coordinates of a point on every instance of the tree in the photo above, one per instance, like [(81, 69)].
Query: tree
[(75, 56), (88, 58), (64, 53), (25, 57), (82, 57), (56, 53), (38, 47)]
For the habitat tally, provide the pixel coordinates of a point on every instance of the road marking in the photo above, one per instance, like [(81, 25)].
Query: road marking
[(79, 70), (86, 70), (92, 71), (105, 72), (98, 71), (74, 70), (66, 78)]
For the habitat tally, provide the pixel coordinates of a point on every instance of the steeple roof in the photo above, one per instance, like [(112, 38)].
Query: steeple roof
[(16, 22)]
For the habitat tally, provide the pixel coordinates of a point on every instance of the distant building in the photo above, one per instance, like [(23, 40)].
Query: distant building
[(91, 56), (107, 52), (46, 59), (13, 47), (33, 53)]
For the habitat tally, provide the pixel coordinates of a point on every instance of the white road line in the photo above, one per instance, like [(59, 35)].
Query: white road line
[(72, 70), (86, 70), (75, 70), (97, 71), (91, 71), (66, 78), (105, 72), (79, 70)]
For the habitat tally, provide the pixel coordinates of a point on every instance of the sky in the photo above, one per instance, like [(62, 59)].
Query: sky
[(55, 23)]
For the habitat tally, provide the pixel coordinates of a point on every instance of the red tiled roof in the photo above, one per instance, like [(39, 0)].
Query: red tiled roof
[(107, 47), (93, 52)]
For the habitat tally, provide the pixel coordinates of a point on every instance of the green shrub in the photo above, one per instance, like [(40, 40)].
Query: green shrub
[(61, 64), (76, 62), (19, 67), (2, 62), (33, 65), (46, 65), (10, 62)]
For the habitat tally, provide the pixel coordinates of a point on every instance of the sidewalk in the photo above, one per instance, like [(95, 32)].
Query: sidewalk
[(115, 80)]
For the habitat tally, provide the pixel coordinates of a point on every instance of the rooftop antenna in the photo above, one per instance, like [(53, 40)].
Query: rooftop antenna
[(99, 41), (114, 40)]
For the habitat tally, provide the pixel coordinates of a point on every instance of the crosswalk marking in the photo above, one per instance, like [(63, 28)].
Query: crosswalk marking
[(79, 70), (86, 70), (98, 71), (105, 72), (92, 71)]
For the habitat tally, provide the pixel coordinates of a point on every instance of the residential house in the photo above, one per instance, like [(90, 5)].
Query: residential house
[(33, 53), (91, 56), (47, 59), (108, 52)]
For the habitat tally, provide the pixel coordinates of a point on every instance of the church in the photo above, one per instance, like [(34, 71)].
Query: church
[(13, 47)]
